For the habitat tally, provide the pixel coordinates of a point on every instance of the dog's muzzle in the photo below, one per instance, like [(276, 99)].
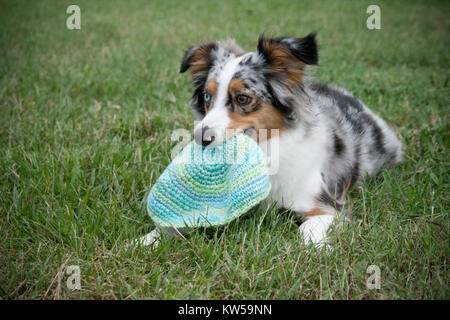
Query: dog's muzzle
[(204, 136)]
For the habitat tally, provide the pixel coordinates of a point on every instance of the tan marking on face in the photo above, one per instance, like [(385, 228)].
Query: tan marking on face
[(266, 117), (211, 87), (236, 85)]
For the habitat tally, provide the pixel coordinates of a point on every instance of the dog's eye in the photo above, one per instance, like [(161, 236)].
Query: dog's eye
[(207, 97), (242, 99)]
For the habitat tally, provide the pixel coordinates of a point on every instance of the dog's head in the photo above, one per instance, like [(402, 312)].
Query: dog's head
[(239, 90)]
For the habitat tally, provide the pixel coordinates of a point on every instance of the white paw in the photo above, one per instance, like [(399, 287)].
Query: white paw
[(314, 230), (150, 239)]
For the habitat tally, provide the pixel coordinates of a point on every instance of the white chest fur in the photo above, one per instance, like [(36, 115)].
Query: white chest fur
[(296, 167)]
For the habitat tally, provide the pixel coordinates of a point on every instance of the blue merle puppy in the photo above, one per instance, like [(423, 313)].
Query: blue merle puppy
[(327, 140)]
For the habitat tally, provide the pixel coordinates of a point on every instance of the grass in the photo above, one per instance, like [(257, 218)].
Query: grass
[(85, 124)]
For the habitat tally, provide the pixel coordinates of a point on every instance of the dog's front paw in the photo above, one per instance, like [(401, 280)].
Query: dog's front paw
[(314, 230), (150, 239)]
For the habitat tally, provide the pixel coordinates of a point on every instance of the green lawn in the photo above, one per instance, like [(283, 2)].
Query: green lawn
[(85, 124)]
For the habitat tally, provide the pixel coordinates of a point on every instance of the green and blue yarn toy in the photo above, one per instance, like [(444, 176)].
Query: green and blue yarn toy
[(210, 186)]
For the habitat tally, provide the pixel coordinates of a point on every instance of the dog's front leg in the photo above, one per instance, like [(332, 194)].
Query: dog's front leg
[(150, 239), (153, 238), (315, 226)]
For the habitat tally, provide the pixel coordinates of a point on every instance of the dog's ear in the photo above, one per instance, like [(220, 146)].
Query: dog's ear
[(286, 58), (198, 58)]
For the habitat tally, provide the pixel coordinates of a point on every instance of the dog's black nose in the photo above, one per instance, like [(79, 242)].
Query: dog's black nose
[(207, 136), (204, 136)]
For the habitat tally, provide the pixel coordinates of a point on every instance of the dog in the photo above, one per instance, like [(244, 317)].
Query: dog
[(328, 140)]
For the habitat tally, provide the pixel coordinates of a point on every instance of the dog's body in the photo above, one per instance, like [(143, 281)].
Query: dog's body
[(328, 140), (318, 165)]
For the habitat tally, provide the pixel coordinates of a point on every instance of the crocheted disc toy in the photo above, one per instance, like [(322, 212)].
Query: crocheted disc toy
[(210, 186)]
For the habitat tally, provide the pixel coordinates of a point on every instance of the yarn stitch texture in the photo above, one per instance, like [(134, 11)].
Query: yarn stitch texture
[(205, 187)]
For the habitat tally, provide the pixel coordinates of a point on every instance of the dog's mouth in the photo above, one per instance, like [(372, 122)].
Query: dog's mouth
[(261, 135), (250, 131), (217, 138)]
